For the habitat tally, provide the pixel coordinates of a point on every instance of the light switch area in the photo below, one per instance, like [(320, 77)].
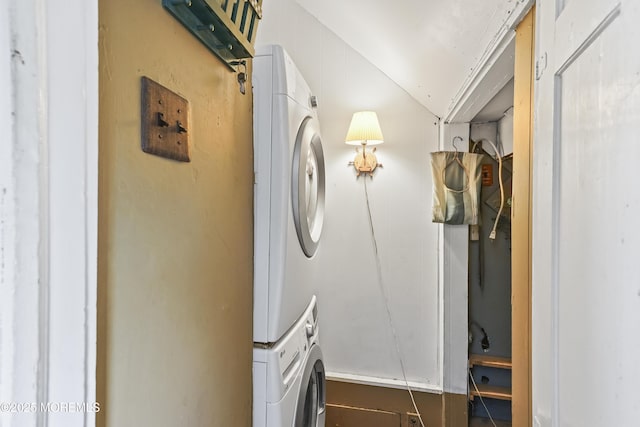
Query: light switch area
[(165, 122)]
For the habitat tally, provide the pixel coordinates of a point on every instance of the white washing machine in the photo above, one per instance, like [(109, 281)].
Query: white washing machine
[(289, 378), (288, 371), (289, 193)]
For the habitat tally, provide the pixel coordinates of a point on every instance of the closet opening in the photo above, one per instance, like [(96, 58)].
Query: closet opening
[(490, 328), (499, 282)]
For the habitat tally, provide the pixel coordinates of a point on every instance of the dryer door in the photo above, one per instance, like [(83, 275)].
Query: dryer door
[(310, 410), (307, 186)]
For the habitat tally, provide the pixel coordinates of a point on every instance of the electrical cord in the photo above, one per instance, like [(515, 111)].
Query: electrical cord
[(473, 381), (386, 301)]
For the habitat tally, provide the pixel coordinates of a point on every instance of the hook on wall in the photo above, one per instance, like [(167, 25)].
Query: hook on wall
[(455, 138), (242, 75)]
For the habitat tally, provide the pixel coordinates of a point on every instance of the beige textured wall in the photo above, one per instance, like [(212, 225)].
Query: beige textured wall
[(175, 239)]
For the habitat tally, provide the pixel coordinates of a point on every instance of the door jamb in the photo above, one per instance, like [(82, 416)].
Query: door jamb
[(521, 221), (48, 210)]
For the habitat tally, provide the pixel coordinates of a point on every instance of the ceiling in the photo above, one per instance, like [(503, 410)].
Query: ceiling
[(497, 107), (430, 48)]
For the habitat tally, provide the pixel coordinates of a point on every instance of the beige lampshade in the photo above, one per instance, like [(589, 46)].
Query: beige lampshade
[(364, 129)]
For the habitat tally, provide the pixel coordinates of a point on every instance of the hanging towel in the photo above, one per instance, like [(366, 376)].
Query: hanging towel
[(456, 187)]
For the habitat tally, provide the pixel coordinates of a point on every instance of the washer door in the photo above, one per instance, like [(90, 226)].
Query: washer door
[(310, 410), (308, 183)]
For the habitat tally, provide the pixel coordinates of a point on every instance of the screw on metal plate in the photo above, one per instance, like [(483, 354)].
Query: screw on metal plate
[(209, 27)]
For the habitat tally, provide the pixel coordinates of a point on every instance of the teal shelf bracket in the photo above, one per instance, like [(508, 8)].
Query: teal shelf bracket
[(227, 27)]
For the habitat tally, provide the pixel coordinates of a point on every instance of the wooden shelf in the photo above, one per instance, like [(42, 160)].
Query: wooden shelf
[(491, 392), (489, 361), (486, 390)]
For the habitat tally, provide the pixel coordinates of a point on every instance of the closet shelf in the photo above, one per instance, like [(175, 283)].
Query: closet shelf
[(489, 361), (491, 392)]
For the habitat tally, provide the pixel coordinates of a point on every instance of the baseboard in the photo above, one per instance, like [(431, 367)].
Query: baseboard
[(351, 404), (456, 410), (383, 382)]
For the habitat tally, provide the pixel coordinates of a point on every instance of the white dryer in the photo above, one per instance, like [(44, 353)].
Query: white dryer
[(289, 193), (289, 378)]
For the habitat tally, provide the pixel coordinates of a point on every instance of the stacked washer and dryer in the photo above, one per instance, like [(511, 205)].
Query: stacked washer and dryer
[(288, 370)]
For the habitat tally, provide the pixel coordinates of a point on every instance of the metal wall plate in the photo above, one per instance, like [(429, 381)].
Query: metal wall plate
[(165, 122)]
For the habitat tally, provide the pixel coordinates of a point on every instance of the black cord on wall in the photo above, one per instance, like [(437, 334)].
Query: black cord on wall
[(386, 302)]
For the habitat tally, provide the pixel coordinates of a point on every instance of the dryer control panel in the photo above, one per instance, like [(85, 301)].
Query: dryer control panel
[(290, 353)]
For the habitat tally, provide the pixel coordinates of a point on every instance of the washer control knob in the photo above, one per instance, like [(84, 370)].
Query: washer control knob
[(310, 329)]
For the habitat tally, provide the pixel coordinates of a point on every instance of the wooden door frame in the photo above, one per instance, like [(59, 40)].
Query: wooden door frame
[(48, 210), (521, 221)]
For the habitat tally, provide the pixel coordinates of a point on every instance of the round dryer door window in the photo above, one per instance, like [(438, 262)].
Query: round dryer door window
[(308, 184)]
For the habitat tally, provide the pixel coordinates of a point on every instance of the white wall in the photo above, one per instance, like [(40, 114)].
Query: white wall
[(500, 132), (485, 131), (505, 132), (355, 331), (454, 262)]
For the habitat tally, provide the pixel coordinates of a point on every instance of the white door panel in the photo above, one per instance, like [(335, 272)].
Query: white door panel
[(579, 22), (597, 238), (586, 210)]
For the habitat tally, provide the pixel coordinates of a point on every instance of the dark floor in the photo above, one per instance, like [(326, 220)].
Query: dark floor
[(485, 422)]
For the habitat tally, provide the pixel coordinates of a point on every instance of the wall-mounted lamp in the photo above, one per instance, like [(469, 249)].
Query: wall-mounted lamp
[(364, 130)]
